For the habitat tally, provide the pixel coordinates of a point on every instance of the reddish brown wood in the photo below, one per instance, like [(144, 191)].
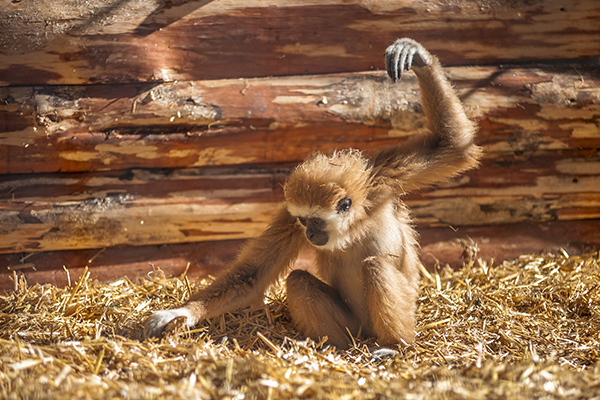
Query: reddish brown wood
[(119, 174), (440, 246), (140, 207), (108, 264), (114, 41), (538, 128), (445, 246), (282, 120), (79, 211)]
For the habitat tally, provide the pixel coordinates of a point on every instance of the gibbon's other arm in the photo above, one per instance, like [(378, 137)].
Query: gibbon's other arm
[(259, 264), (448, 147)]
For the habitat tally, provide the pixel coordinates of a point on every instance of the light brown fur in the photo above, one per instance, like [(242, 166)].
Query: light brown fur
[(347, 207)]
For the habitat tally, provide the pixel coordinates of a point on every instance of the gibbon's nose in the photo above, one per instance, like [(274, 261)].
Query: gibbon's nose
[(317, 237)]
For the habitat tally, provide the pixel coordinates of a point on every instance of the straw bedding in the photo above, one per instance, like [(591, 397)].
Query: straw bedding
[(528, 328)]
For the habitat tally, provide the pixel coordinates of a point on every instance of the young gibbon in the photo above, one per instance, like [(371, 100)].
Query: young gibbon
[(347, 207)]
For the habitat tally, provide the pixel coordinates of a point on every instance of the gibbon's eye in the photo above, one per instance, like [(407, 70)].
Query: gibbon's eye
[(344, 205), (302, 221)]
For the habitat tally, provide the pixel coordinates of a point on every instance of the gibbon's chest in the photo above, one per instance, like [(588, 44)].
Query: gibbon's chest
[(343, 269), (392, 228)]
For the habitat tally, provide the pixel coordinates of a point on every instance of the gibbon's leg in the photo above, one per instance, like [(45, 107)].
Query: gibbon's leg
[(318, 310), (391, 301)]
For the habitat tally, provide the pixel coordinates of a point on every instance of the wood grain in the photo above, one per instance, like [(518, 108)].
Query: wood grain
[(141, 207), (539, 129), (138, 137), (440, 247), (521, 112), (112, 41)]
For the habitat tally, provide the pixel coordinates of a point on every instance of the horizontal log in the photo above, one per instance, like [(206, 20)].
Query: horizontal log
[(440, 246), (140, 207), (444, 246), (521, 112), (62, 268), (111, 41)]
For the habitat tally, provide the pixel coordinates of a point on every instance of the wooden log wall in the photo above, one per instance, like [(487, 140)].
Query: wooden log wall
[(126, 144), (116, 41)]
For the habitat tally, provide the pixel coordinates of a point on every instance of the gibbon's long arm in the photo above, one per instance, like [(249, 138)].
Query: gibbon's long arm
[(448, 147), (244, 283)]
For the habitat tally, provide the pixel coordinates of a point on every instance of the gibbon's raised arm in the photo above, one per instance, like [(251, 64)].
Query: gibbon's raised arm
[(448, 147), (244, 283)]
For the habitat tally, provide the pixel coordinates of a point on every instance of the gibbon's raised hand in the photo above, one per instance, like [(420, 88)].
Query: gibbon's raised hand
[(348, 208)]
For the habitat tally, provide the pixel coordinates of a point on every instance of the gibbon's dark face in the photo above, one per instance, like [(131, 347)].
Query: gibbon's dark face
[(324, 228), (316, 230)]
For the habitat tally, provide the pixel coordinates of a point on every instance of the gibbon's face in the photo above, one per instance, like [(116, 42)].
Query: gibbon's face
[(325, 228), (327, 195)]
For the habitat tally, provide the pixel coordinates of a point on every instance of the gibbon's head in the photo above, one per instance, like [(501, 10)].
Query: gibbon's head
[(328, 196)]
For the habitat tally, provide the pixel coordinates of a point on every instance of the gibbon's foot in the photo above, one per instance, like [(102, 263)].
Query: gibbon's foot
[(158, 321), (383, 353), (402, 55)]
